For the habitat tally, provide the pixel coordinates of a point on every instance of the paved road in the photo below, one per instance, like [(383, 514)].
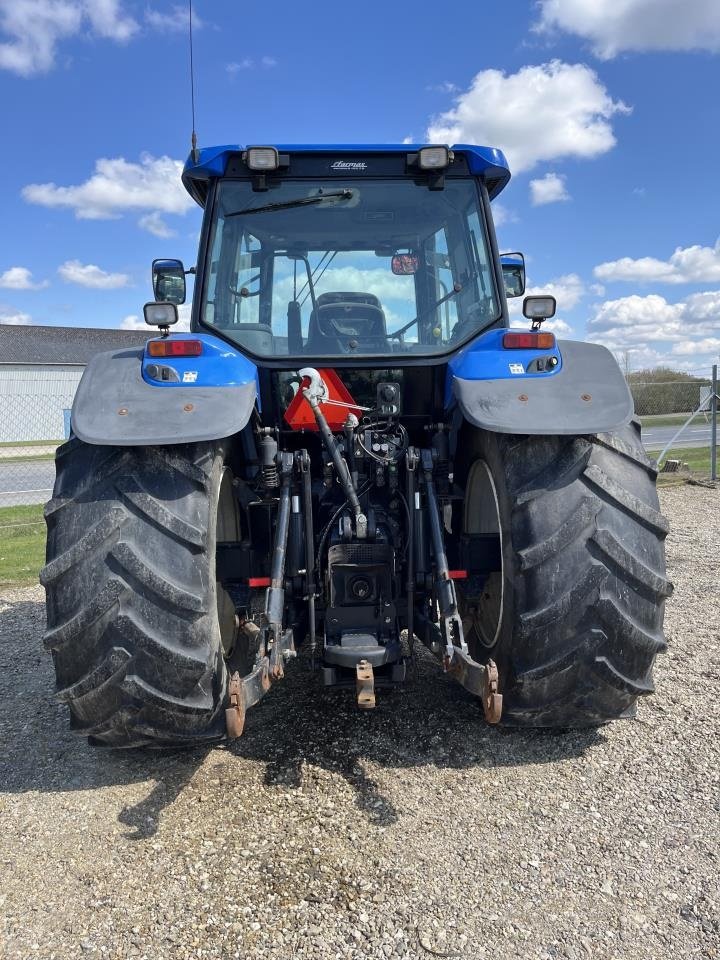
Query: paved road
[(696, 435), (26, 481)]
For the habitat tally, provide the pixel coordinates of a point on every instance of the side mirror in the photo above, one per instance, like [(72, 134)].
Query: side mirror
[(539, 308), (168, 278), (513, 271)]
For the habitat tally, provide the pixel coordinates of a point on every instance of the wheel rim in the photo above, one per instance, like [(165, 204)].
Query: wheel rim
[(227, 528), (483, 616)]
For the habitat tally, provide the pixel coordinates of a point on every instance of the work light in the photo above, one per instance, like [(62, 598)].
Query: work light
[(262, 158), (434, 158), (160, 314), (539, 307)]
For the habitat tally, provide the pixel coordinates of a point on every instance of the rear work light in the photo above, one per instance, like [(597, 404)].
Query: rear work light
[(529, 341), (434, 158), (174, 348), (262, 158)]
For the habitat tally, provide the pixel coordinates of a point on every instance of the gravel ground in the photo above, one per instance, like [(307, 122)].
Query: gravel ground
[(413, 831)]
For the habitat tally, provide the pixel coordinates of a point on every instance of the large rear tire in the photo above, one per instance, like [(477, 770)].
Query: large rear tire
[(136, 623), (573, 614)]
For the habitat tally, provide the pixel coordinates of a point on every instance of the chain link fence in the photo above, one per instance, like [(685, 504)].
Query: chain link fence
[(676, 418), (34, 419)]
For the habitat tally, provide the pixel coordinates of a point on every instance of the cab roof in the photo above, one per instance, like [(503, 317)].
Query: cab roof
[(486, 162)]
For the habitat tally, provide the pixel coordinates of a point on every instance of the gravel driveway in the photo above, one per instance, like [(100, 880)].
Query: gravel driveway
[(411, 831)]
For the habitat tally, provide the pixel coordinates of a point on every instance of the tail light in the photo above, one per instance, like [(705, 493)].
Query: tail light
[(174, 348), (529, 341)]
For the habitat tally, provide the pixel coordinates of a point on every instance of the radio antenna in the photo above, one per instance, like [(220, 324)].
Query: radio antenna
[(193, 138)]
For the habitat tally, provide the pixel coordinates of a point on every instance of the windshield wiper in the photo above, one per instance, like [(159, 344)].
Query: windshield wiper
[(300, 202)]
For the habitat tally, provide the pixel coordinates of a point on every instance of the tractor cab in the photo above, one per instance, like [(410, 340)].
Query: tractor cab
[(369, 253)]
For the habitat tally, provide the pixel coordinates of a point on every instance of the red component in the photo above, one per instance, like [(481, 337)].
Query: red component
[(174, 348), (299, 415), (259, 581), (529, 341), (458, 574)]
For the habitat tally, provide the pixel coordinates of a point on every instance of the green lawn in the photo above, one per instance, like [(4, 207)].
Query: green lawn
[(22, 543), (29, 458), (666, 420), (697, 459), (31, 443)]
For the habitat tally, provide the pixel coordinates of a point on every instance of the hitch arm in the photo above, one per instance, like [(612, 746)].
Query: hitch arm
[(447, 600), (245, 692)]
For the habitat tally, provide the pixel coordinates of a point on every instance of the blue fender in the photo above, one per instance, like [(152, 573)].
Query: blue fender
[(498, 389), (123, 400)]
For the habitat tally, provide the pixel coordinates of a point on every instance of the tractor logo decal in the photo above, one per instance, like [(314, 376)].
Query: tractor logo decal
[(348, 165)]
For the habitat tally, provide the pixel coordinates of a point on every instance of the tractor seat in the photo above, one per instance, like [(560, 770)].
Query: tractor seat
[(257, 337), (339, 319)]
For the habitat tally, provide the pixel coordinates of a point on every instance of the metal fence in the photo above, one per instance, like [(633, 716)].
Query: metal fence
[(677, 421), (34, 419)]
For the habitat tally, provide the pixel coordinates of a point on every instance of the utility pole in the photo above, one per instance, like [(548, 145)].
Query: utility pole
[(713, 424)]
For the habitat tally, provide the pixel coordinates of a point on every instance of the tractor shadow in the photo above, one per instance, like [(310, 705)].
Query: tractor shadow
[(429, 722), (39, 753)]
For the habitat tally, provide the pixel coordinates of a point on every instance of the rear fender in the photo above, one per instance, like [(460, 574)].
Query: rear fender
[(585, 393), (121, 401)]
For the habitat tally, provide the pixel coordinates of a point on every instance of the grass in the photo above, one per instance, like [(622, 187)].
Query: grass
[(697, 459), (31, 458), (22, 543), (665, 420), (31, 443)]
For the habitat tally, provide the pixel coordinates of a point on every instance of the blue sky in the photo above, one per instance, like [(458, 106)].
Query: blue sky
[(608, 113)]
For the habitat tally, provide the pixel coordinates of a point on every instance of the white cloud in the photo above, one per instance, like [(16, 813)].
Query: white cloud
[(134, 322), (176, 19), (117, 185), (90, 275), (446, 86), (237, 65), (560, 328), (501, 214), (694, 264), (13, 317), (539, 113), (693, 347), (568, 290), (32, 29), (247, 63), (652, 331), (20, 278), (612, 26), (548, 189), (154, 224), (107, 20)]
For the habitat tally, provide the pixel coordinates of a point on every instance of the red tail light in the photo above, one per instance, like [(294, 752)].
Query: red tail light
[(168, 347), (529, 341)]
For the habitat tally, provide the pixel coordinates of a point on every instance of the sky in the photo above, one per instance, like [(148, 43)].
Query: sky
[(608, 113)]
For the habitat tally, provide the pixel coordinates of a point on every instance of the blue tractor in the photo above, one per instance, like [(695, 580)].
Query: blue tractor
[(350, 452)]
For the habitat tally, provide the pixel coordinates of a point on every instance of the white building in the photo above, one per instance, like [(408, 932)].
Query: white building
[(40, 368)]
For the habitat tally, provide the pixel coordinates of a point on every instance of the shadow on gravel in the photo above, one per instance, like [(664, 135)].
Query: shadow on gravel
[(429, 722), (39, 753)]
